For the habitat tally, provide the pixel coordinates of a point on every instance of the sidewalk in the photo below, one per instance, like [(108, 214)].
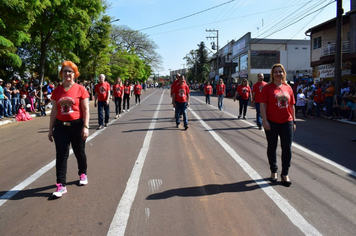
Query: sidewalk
[(13, 119)]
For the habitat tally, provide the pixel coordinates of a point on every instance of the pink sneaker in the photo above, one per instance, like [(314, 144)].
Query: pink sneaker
[(83, 179), (60, 190)]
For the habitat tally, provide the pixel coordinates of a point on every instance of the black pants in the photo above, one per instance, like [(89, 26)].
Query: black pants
[(137, 97), (243, 105), (63, 136), (118, 101), (285, 132), (126, 99)]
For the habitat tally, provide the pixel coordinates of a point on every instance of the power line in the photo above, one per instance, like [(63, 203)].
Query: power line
[(188, 16)]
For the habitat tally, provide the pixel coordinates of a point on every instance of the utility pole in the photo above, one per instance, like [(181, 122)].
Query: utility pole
[(217, 48), (338, 49)]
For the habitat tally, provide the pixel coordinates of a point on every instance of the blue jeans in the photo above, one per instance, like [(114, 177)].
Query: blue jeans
[(15, 105), (181, 108), (285, 132), (2, 108), (207, 98), (319, 106), (258, 114), (101, 105), (220, 101), (7, 107), (329, 105)]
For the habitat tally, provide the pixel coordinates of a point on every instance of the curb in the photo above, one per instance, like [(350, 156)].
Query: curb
[(4, 122)]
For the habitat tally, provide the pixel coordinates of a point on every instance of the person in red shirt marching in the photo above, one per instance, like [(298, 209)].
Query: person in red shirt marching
[(278, 119), (255, 98), (69, 124), (220, 91), (208, 90), (118, 92), (243, 91), (181, 97), (102, 94), (137, 91), (127, 95)]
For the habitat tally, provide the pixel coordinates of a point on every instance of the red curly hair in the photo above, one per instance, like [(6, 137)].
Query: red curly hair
[(71, 65)]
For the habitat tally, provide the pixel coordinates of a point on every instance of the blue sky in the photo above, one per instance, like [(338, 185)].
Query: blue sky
[(275, 19)]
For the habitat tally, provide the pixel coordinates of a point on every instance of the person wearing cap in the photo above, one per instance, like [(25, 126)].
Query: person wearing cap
[(2, 98)]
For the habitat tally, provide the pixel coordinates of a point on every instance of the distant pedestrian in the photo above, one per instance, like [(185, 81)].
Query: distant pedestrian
[(2, 100), (137, 91), (181, 96), (118, 93), (102, 94), (220, 91), (69, 124), (127, 96), (278, 119), (256, 98), (244, 92), (208, 90)]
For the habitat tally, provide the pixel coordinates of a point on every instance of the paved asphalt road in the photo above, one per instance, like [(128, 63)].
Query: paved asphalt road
[(148, 178)]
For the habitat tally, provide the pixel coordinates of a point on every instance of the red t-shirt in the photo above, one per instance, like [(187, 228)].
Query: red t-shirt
[(127, 89), (257, 88), (280, 101), (102, 89), (244, 91), (69, 102), (220, 89), (318, 97), (181, 92), (208, 89), (137, 89), (117, 90)]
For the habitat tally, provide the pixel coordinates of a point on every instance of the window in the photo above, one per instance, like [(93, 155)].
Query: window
[(317, 42), (263, 60)]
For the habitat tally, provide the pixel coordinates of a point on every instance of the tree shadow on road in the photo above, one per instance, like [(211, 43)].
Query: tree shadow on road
[(211, 189)]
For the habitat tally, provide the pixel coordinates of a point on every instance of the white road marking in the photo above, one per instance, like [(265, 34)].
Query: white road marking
[(303, 149), (122, 214), (154, 185), (293, 215), (9, 194)]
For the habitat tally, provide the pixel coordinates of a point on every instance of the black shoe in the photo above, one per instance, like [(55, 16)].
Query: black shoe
[(285, 182), (354, 140), (274, 177), (260, 127), (186, 127), (177, 126)]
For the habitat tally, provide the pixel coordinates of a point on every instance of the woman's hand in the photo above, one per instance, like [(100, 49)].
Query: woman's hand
[(266, 125), (50, 135), (85, 133)]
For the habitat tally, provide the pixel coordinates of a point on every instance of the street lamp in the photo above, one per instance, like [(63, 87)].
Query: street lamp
[(114, 21)]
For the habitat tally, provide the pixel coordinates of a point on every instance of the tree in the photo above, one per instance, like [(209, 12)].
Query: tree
[(197, 63), (16, 18), (126, 39), (59, 28)]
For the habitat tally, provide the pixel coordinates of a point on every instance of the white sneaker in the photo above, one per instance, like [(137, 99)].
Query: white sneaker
[(117, 116), (128, 110), (60, 190), (83, 179), (123, 111)]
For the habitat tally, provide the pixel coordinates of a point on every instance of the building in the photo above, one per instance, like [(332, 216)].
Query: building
[(247, 57), (323, 42), (173, 73)]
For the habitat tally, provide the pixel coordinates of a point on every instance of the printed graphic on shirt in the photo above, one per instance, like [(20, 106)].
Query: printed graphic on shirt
[(282, 100), (244, 90), (102, 89), (220, 88), (66, 104), (118, 89), (181, 93), (261, 87), (127, 89)]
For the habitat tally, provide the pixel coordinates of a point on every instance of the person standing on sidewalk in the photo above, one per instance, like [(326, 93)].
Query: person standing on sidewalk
[(278, 119), (220, 91), (2, 99), (69, 124), (256, 98), (181, 97), (102, 95), (208, 90), (118, 92)]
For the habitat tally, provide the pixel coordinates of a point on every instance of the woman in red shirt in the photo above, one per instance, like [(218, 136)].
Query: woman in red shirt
[(207, 91), (220, 91), (118, 91), (278, 119), (69, 124), (244, 92), (318, 98), (127, 95)]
